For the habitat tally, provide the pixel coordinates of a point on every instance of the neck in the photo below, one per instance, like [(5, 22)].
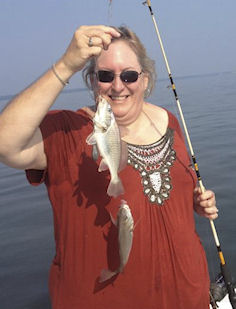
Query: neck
[(131, 117), (130, 127)]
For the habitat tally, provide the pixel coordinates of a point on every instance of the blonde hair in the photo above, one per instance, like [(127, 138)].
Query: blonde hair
[(147, 64)]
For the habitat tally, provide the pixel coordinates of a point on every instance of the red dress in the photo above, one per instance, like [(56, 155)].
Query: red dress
[(167, 266)]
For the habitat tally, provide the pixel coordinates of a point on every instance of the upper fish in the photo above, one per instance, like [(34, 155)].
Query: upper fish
[(106, 138)]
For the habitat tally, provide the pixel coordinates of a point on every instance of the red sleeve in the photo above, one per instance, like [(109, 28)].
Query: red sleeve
[(174, 124), (60, 132), (36, 177)]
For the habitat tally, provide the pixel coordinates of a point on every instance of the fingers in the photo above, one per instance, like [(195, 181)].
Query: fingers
[(207, 214), (88, 41), (205, 203), (102, 41), (99, 36), (206, 197), (100, 31)]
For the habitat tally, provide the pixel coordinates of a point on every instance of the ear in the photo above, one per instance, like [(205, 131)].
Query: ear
[(145, 80)]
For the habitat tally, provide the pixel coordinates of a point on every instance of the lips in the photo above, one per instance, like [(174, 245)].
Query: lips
[(118, 98)]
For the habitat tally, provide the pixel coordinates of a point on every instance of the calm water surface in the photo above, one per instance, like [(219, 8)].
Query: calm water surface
[(26, 228)]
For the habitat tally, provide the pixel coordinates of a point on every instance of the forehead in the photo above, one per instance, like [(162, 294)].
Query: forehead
[(119, 53)]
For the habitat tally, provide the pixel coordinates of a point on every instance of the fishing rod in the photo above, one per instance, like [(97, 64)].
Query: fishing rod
[(224, 269)]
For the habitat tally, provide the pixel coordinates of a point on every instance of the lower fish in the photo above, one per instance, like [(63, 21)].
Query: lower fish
[(125, 225)]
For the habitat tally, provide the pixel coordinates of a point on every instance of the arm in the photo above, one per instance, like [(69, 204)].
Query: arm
[(21, 144)]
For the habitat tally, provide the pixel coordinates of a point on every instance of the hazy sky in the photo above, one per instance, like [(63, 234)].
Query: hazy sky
[(199, 36)]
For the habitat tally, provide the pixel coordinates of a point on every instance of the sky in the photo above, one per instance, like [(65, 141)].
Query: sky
[(198, 36)]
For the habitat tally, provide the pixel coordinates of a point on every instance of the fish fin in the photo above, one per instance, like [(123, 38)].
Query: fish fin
[(103, 166), (114, 221), (95, 153), (123, 155), (136, 223), (90, 110), (115, 188), (123, 202), (106, 274), (90, 140)]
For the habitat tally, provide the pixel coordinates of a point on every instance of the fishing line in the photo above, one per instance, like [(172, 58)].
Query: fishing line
[(109, 12), (225, 272)]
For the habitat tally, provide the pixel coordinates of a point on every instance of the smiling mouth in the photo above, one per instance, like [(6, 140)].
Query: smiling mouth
[(118, 98)]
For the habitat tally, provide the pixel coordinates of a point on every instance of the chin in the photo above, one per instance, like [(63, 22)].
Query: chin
[(119, 110)]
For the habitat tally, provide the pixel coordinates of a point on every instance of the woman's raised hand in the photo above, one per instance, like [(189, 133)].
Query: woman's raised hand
[(87, 42)]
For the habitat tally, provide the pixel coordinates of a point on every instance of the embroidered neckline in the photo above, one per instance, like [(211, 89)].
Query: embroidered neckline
[(153, 162)]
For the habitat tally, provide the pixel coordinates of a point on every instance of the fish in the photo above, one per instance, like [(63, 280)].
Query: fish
[(106, 139), (125, 225)]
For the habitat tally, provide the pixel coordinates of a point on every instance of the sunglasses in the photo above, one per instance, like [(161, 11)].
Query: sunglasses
[(126, 76)]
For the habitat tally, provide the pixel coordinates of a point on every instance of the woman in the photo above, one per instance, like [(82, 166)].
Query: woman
[(167, 266)]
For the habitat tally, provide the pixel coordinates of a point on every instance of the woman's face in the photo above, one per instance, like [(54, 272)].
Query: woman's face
[(126, 99)]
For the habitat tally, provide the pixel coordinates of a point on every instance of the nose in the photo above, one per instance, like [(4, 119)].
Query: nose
[(117, 84)]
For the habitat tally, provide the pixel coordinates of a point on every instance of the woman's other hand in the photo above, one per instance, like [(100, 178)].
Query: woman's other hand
[(205, 203)]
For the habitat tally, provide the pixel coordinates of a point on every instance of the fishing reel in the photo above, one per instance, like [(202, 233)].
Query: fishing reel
[(218, 290)]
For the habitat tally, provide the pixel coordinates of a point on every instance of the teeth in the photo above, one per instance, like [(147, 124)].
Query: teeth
[(119, 97)]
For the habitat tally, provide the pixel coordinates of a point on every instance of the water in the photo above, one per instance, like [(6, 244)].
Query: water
[(26, 230)]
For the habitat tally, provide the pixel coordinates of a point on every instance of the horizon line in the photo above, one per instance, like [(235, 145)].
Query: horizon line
[(10, 96)]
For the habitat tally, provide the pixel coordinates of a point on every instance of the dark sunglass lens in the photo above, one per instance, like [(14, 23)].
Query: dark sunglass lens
[(129, 76), (105, 76)]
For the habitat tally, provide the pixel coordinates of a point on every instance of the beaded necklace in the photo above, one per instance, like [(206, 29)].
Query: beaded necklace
[(153, 163)]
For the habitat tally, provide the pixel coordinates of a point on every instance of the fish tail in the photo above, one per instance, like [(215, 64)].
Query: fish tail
[(106, 274), (115, 188)]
